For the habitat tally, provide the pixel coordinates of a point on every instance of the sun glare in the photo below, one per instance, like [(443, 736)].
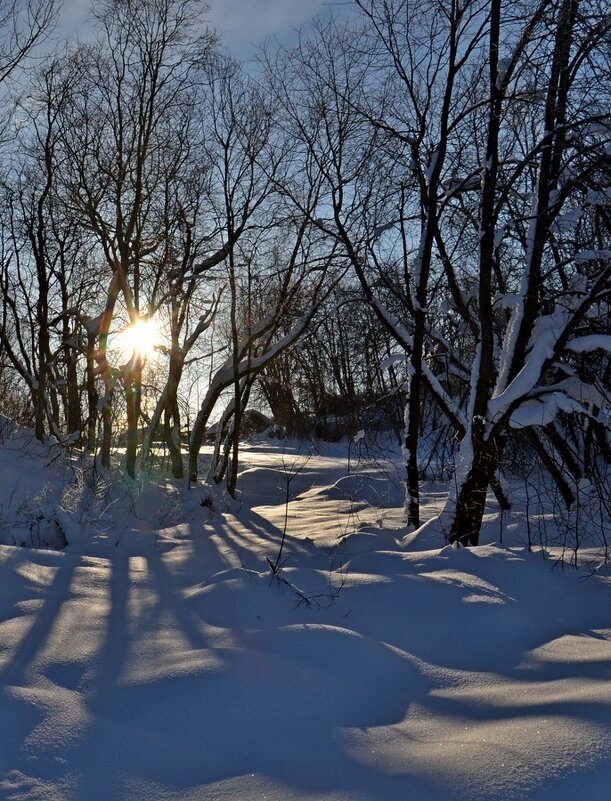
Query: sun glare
[(141, 338)]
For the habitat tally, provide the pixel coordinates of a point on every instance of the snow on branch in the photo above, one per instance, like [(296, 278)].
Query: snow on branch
[(394, 358), (599, 197), (542, 411), (593, 255), (547, 331), (589, 343)]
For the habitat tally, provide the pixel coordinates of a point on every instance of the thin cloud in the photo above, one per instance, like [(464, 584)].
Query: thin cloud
[(241, 22)]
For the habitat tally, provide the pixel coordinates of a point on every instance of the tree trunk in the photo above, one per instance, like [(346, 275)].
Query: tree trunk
[(172, 417), (132, 384), (106, 431), (73, 411), (281, 401), (471, 498), (92, 395), (412, 433), (241, 401), (40, 390), (199, 427)]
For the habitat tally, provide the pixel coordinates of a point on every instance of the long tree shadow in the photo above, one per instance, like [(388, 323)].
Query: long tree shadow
[(468, 601), (170, 603), (235, 707), (18, 716), (92, 760), (249, 717), (15, 672), (114, 651), (270, 536), (206, 673)]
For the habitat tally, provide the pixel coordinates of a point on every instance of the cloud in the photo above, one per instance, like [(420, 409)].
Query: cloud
[(73, 14), (242, 22)]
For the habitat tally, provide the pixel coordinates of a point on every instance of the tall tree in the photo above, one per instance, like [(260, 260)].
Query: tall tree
[(456, 142), (134, 89)]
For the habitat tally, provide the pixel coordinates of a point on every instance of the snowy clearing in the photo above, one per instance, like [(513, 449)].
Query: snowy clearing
[(155, 656)]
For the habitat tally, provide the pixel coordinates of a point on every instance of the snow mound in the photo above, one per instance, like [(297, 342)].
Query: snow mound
[(367, 490), (263, 486)]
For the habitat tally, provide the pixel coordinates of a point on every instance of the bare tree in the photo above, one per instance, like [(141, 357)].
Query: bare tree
[(375, 117), (456, 142), (23, 26), (133, 89), (278, 307), (41, 301), (510, 385)]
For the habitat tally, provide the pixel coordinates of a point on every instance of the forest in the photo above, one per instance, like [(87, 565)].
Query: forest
[(305, 394), (400, 223)]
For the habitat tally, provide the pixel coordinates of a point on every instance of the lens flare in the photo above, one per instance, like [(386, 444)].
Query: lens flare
[(140, 338)]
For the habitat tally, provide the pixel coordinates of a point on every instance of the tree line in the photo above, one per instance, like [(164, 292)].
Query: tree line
[(409, 209)]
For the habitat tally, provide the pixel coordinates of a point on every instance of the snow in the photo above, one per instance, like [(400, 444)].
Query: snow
[(381, 229), (547, 330), (503, 65), (589, 343), (601, 197), (390, 361), (568, 220), (155, 656), (507, 300), (593, 255), (543, 410)]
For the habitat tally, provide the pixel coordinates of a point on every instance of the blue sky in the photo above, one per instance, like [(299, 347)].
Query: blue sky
[(243, 24)]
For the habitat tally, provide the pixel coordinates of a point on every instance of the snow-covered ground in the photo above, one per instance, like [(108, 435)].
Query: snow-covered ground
[(156, 656)]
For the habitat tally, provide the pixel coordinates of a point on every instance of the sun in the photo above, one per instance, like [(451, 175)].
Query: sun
[(140, 338)]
